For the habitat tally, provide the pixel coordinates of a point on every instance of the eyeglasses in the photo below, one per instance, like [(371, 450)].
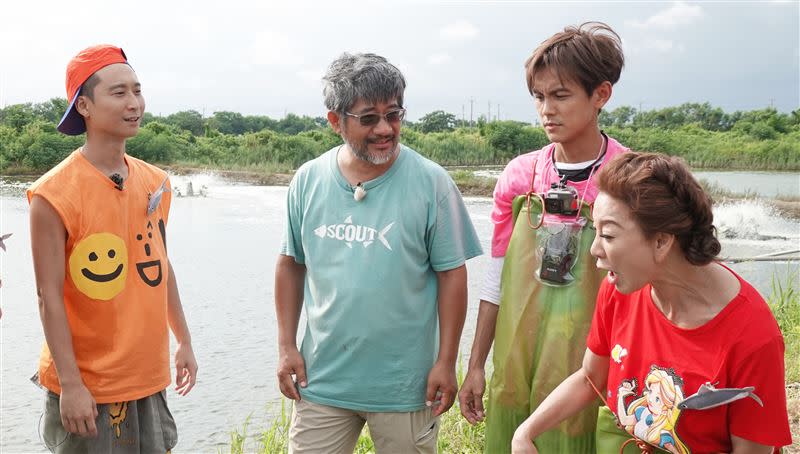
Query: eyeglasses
[(372, 119)]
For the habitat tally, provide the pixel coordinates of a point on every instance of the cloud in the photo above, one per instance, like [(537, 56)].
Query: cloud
[(459, 31), (655, 46), (273, 49), (659, 45), (311, 75), (439, 59), (680, 13)]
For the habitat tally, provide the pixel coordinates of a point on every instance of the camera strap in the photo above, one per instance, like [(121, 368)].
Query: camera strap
[(583, 173)]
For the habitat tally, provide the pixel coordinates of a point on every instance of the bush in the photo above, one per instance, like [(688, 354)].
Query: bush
[(704, 136)]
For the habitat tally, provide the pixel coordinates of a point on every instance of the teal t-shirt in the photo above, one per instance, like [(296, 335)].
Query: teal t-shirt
[(371, 290)]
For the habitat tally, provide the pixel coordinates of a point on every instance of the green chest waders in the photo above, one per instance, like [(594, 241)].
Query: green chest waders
[(540, 337)]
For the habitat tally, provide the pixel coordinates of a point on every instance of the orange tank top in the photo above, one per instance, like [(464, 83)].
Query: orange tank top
[(115, 283)]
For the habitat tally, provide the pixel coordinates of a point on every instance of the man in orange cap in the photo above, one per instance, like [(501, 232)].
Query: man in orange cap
[(107, 292)]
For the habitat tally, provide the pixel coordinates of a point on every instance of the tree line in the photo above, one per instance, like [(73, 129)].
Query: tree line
[(704, 135)]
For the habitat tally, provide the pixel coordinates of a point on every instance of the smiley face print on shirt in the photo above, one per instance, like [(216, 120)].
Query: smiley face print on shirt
[(98, 266)]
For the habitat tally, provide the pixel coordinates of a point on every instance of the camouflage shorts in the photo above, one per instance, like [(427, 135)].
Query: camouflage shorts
[(138, 426)]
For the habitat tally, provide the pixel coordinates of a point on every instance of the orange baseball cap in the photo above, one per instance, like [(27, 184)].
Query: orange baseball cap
[(79, 69)]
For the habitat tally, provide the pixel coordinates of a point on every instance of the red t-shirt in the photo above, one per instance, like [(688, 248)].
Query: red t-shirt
[(655, 365)]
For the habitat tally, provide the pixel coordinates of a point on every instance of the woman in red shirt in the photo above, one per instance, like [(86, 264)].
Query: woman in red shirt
[(685, 353)]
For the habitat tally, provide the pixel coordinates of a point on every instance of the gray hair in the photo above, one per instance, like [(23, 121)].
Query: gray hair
[(367, 77)]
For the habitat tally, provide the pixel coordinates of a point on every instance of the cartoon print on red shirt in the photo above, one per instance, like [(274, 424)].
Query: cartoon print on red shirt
[(653, 416)]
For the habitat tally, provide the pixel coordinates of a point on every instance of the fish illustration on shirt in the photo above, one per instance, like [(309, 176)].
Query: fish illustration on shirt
[(709, 397)]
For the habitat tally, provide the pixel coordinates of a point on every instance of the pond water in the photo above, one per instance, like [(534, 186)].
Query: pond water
[(223, 247)]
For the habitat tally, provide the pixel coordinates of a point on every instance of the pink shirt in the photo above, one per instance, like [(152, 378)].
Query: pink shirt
[(516, 180)]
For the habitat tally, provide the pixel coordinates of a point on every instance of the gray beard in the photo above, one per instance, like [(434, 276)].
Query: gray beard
[(373, 159)]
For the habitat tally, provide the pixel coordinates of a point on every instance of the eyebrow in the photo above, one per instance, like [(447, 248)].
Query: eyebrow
[(604, 222), (123, 85), (553, 91)]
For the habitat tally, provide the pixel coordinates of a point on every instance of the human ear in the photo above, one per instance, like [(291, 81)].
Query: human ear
[(81, 106), (602, 94), (333, 119), (663, 244)]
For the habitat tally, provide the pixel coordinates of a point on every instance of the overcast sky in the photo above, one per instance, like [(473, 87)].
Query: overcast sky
[(267, 57)]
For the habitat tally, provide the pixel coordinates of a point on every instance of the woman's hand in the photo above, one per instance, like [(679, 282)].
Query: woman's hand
[(522, 444)]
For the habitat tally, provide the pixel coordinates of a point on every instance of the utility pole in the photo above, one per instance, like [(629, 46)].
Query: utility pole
[(498, 112), (489, 113), (463, 115), (471, 100)]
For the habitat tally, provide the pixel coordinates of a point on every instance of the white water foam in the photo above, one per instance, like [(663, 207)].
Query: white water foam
[(748, 228), (754, 220), (196, 184)]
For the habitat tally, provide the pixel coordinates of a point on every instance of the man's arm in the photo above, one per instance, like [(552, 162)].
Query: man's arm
[(289, 280), (474, 386), (452, 299), (185, 362), (48, 246)]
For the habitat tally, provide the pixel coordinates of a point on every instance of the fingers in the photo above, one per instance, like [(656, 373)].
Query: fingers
[(91, 429), (190, 384), (291, 373), (287, 386), (69, 425), (78, 411), (478, 403), (430, 392), (83, 426), (181, 379), (185, 375), (185, 381), (471, 404), (472, 408), (179, 374), (439, 396), (80, 427), (445, 403), (465, 403), (300, 372)]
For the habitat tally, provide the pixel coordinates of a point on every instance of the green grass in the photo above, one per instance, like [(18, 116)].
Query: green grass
[(456, 435), (470, 184), (785, 305)]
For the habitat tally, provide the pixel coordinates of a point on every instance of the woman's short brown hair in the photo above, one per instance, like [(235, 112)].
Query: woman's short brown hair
[(664, 197), (589, 54)]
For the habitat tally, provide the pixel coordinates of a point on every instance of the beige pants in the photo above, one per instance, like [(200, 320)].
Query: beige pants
[(322, 429)]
